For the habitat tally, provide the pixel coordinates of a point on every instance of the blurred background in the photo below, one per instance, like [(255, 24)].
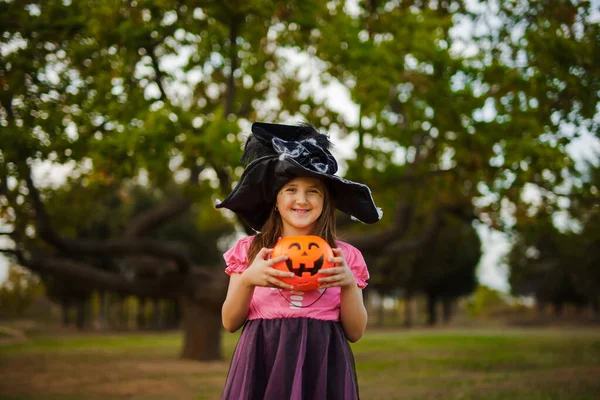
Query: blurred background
[(476, 125)]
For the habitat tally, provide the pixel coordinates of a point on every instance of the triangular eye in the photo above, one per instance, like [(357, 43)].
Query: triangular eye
[(295, 245), (312, 244)]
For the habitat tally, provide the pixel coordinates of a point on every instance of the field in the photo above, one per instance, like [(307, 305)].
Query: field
[(495, 364)]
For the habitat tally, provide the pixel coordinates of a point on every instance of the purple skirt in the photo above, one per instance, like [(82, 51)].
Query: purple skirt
[(293, 359)]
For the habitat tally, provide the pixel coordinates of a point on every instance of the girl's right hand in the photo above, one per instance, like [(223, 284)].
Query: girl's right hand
[(262, 273)]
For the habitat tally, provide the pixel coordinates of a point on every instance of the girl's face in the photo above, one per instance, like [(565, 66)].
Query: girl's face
[(300, 203)]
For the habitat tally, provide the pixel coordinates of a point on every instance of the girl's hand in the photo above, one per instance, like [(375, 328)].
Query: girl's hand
[(262, 273), (340, 276)]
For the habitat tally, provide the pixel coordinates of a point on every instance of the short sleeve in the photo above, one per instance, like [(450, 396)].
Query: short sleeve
[(236, 257), (357, 264)]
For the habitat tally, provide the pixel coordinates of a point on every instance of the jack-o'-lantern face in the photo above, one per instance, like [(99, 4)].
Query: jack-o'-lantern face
[(307, 255), (304, 256)]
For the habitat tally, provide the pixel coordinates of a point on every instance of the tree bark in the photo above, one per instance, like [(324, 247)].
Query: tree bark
[(64, 307), (141, 313), (447, 307), (201, 331), (102, 310), (380, 311), (558, 308), (80, 319), (156, 321), (408, 317), (431, 310)]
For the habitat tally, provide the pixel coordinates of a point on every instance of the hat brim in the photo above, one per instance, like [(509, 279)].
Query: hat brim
[(255, 194)]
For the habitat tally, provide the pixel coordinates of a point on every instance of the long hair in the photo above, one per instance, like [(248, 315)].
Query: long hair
[(272, 230)]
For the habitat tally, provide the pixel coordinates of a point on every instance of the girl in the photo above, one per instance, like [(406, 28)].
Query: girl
[(294, 344)]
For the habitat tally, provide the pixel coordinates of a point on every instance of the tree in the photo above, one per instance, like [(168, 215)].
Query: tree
[(159, 92), (448, 268), (442, 129), (541, 264), (140, 92), (18, 291), (559, 266)]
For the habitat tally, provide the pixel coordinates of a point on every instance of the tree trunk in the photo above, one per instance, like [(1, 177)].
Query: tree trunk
[(177, 317), (201, 331), (102, 309), (558, 308), (431, 310), (408, 317), (156, 325), (447, 309), (80, 318), (541, 307), (595, 306), (64, 307), (380, 312), (140, 319)]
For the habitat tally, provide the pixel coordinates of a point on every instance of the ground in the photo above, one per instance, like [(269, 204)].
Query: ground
[(532, 364)]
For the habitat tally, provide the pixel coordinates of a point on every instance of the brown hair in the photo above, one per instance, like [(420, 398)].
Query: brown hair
[(272, 229)]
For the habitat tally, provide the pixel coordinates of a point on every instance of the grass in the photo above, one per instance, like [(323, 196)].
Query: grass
[(540, 364)]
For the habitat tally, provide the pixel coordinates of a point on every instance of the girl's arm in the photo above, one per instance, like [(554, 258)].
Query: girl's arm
[(241, 287), (237, 303), (353, 314)]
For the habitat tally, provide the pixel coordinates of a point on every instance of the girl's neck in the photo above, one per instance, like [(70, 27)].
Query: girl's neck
[(293, 231)]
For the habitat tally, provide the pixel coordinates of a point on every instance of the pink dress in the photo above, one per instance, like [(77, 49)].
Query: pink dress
[(269, 303), (292, 345)]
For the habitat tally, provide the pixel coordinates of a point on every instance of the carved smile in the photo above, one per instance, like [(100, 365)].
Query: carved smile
[(302, 267)]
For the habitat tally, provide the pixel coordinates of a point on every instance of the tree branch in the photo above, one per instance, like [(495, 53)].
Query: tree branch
[(97, 278), (202, 284), (155, 64), (149, 220), (224, 179), (110, 247), (379, 239), (233, 29), (159, 75), (207, 287), (410, 245), (18, 254)]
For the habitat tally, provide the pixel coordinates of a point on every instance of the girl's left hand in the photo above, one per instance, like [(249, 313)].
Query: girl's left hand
[(340, 276)]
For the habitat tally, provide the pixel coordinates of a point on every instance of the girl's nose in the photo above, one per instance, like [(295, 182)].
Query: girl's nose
[(301, 198)]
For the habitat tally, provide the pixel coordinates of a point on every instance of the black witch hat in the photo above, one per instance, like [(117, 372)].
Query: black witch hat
[(278, 153)]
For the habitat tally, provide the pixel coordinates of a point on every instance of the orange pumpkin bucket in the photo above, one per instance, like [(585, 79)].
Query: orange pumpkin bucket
[(307, 256)]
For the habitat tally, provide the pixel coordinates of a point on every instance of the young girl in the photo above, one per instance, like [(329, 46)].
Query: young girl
[(294, 344)]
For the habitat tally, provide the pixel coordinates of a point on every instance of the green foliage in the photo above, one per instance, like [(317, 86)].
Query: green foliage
[(491, 118), (486, 301), (556, 267), (19, 291), (161, 92), (447, 268)]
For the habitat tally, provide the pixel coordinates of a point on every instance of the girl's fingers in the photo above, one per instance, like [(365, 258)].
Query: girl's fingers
[(276, 260), (331, 271), (264, 252), (337, 260), (325, 285), (332, 278), (277, 283), (283, 274)]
